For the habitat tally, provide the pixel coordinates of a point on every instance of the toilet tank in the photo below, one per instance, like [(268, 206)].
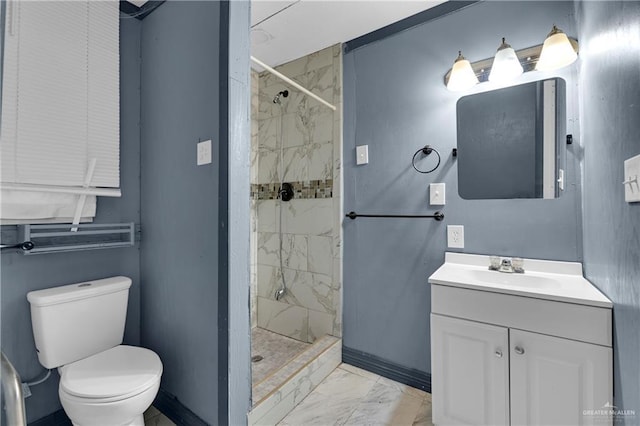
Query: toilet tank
[(76, 321)]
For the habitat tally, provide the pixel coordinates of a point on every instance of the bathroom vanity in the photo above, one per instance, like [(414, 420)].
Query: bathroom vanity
[(519, 349)]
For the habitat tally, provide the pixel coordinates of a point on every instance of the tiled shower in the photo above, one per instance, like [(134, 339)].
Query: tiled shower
[(300, 141)]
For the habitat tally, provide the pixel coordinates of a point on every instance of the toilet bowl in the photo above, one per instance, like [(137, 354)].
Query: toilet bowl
[(79, 329), (112, 388), (127, 412)]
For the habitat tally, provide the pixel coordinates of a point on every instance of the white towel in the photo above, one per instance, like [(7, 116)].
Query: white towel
[(20, 207)]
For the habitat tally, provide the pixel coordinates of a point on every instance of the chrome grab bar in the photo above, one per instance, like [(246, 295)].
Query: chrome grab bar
[(12, 391)]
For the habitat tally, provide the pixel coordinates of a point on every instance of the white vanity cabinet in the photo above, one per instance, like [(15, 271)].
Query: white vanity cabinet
[(478, 377), (508, 355), (472, 364), (553, 380)]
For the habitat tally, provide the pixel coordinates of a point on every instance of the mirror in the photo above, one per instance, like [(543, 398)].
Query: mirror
[(511, 142)]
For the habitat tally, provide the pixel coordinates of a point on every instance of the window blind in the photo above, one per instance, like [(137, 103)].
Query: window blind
[(60, 98)]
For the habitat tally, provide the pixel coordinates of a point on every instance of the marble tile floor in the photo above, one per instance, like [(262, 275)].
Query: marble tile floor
[(153, 417), (349, 396), (276, 350), (352, 396)]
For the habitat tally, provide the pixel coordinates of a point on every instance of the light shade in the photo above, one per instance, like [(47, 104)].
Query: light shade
[(462, 76), (557, 51), (506, 65)]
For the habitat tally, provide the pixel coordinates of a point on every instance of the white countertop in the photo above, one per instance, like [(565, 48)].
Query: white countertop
[(542, 279)]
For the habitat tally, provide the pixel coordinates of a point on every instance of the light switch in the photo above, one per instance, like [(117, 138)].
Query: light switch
[(204, 153), (362, 154), (455, 236), (632, 179), (436, 194), (561, 179)]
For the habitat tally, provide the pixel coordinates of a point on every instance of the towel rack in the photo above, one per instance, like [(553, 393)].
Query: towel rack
[(437, 216), (25, 246), (59, 237)]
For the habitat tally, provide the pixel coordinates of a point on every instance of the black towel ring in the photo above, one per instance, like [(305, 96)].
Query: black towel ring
[(426, 151)]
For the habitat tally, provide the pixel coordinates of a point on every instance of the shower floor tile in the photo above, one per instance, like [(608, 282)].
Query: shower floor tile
[(276, 350)]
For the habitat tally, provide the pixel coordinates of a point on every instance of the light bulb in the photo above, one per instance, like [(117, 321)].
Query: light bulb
[(462, 76), (557, 51), (506, 65)]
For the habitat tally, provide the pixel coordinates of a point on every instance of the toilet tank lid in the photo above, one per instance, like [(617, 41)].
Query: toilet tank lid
[(83, 290)]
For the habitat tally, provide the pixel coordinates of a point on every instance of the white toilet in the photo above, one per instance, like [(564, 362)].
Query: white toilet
[(79, 329)]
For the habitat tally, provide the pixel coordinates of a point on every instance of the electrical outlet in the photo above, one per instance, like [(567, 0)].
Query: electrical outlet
[(204, 153), (455, 236)]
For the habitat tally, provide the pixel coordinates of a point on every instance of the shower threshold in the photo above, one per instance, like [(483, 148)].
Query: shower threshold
[(278, 392)]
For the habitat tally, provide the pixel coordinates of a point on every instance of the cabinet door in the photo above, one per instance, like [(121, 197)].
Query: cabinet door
[(554, 381), (469, 372)]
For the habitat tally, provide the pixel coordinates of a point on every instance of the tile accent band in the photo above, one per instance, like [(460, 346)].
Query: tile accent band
[(302, 190)]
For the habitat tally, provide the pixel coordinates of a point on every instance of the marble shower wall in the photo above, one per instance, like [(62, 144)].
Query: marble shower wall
[(253, 214), (300, 140)]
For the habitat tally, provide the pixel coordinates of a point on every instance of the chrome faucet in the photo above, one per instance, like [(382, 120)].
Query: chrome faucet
[(507, 265)]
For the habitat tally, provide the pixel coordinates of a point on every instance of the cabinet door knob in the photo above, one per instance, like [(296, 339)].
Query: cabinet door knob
[(498, 353), (519, 350)]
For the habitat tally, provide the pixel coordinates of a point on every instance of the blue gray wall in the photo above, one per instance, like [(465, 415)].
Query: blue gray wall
[(21, 274), (396, 102), (179, 260), (609, 94)]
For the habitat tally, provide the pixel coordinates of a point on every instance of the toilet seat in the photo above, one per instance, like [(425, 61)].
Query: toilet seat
[(112, 375)]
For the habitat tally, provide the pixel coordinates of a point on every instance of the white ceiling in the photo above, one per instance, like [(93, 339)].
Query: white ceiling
[(283, 30), (286, 30)]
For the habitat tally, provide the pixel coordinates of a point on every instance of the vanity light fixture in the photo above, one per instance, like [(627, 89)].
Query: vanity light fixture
[(506, 65), (557, 51), (462, 76)]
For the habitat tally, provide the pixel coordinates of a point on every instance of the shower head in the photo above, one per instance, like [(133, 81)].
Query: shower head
[(276, 98)]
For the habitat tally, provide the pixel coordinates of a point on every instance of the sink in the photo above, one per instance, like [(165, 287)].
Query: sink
[(515, 280), (543, 279)]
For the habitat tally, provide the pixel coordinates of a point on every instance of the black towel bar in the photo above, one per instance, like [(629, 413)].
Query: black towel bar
[(437, 215)]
